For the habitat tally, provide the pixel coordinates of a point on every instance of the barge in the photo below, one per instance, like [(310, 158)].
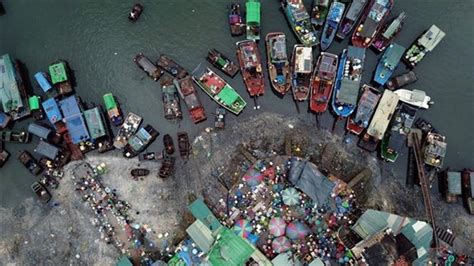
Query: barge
[(248, 55), (222, 62), (148, 67), (13, 95), (188, 93), (171, 67), (322, 83), (302, 69)]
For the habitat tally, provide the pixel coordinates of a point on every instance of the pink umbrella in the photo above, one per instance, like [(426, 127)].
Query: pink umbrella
[(281, 244), (253, 177), (296, 230), (277, 226)]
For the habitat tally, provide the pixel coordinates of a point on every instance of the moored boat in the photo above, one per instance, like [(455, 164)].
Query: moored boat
[(30, 162), (299, 21), (43, 81), (365, 109), (417, 98), (35, 107), (146, 65), (353, 14), (139, 172), (425, 44), (434, 149), (401, 80), (4, 155), (237, 26), (302, 69), (150, 156), (14, 136), (188, 93), (323, 80), (371, 22), (388, 63), (168, 144), (389, 32), (277, 62), (183, 145), (319, 12), (59, 73), (252, 19), (223, 63), (170, 66), (332, 23), (136, 12), (140, 141), (171, 106), (128, 128), (113, 109), (219, 90), (248, 55), (41, 191), (167, 167)]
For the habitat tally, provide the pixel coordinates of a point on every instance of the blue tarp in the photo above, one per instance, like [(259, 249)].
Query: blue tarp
[(69, 106), (52, 110), (77, 128), (42, 81)]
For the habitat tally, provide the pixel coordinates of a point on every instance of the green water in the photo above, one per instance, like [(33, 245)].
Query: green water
[(99, 42)]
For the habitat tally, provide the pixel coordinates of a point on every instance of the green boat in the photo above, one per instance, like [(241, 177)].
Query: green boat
[(12, 90), (219, 90), (59, 77), (34, 104), (113, 110), (253, 19)]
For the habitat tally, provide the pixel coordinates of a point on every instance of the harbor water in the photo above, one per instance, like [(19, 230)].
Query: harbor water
[(99, 43)]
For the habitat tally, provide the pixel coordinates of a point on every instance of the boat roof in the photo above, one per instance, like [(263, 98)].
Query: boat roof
[(366, 106), (57, 72), (418, 95), (356, 52), (431, 38), (378, 10), (383, 114), (252, 11), (47, 150), (228, 95), (77, 128), (327, 63), (42, 81), (355, 9), (39, 130), (95, 123), (9, 91), (392, 28), (139, 139), (279, 47), (109, 101), (52, 110), (304, 59), (349, 91), (69, 106), (34, 102), (392, 55), (299, 11), (336, 11)]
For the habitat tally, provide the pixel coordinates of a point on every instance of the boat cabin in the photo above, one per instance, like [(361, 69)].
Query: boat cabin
[(383, 115), (303, 59), (95, 123), (431, 38)]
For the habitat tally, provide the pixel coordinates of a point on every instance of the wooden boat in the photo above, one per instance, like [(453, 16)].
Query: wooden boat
[(171, 67), (300, 22), (221, 62), (188, 93), (135, 13), (15, 136), (140, 141), (319, 12), (167, 167), (219, 121), (146, 65), (365, 109), (128, 128), (252, 19), (401, 80), (168, 143), (323, 80), (353, 14), (29, 162), (389, 32), (302, 69), (237, 26), (183, 145), (277, 62), (137, 172), (332, 23), (248, 55), (371, 22), (170, 98), (424, 45), (40, 191)]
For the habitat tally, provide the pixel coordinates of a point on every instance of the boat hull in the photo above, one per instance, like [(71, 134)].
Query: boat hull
[(300, 80), (323, 82), (332, 23), (279, 72), (251, 67), (364, 37)]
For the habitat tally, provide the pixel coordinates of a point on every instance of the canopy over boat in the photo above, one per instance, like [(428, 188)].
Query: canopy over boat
[(303, 61), (109, 101), (95, 123), (57, 72), (42, 81), (279, 48), (431, 38), (383, 115), (253, 11), (34, 102)]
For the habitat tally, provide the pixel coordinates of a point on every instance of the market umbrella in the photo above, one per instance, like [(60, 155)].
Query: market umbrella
[(281, 244), (277, 226), (253, 177), (290, 196), (242, 228), (296, 230)]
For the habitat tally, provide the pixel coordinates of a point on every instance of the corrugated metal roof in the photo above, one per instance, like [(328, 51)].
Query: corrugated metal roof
[(201, 235), (230, 249), (69, 106), (47, 150), (77, 129), (95, 123), (201, 212)]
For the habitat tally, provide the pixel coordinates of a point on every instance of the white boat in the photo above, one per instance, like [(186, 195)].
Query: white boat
[(417, 98)]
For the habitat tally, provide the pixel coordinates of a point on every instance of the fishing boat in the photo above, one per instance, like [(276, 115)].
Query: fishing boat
[(4, 120), (332, 23), (223, 63), (396, 137), (113, 109), (302, 69), (146, 65), (401, 80), (434, 149), (425, 44), (35, 107), (40, 191), (300, 22), (167, 167), (168, 144), (380, 121), (251, 67), (237, 26), (150, 156), (14, 136), (277, 62), (353, 14), (128, 128), (371, 22), (219, 121), (252, 19), (59, 73), (183, 145), (323, 82), (4, 155), (140, 141), (417, 98), (30, 162), (187, 91), (136, 12), (13, 95), (171, 106), (365, 109), (319, 12), (171, 67), (388, 63), (139, 172), (219, 90), (349, 78), (389, 32)]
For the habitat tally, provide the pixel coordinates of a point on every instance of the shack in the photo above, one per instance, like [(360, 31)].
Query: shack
[(74, 121), (52, 110), (47, 150), (95, 123)]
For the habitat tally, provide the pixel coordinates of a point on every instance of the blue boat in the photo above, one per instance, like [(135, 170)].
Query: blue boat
[(388, 63), (75, 123), (52, 110), (332, 22), (348, 80), (43, 81)]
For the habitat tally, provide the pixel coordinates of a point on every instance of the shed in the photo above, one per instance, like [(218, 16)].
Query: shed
[(201, 235), (52, 110), (47, 150)]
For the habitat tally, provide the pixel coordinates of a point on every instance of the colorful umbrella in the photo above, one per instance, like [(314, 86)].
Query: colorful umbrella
[(290, 196), (281, 244), (296, 230), (242, 228), (253, 177), (277, 226)]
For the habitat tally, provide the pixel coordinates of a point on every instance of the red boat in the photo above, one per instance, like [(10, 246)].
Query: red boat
[(365, 109), (188, 93), (251, 67), (322, 82), (371, 22)]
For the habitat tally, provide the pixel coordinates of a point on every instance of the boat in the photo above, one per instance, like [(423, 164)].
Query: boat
[(29, 162), (167, 167), (323, 80), (425, 125), (171, 106), (332, 23), (349, 78), (396, 137), (389, 32), (113, 109), (319, 12), (137, 172), (168, 144), (4, 155), (401, 80), (5, 120), (388, 63), (277, 62), (15, 136), (371, 22), (425, 44), (380, 121), (35, 107), (127, 129), (13, 95), (365, 109), (434, 149), (43, 81), (150, 156), (219, 121), (417, 98), (221, 62), (248, 55), (237, 26), (140, 141), (302, 69), (300, 22), (171, 67), (59, 73), (136, 12), (40, 191), (353, 14), (219, 90), (187, 91), (252, 19), (146, 65), (183, 145)]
